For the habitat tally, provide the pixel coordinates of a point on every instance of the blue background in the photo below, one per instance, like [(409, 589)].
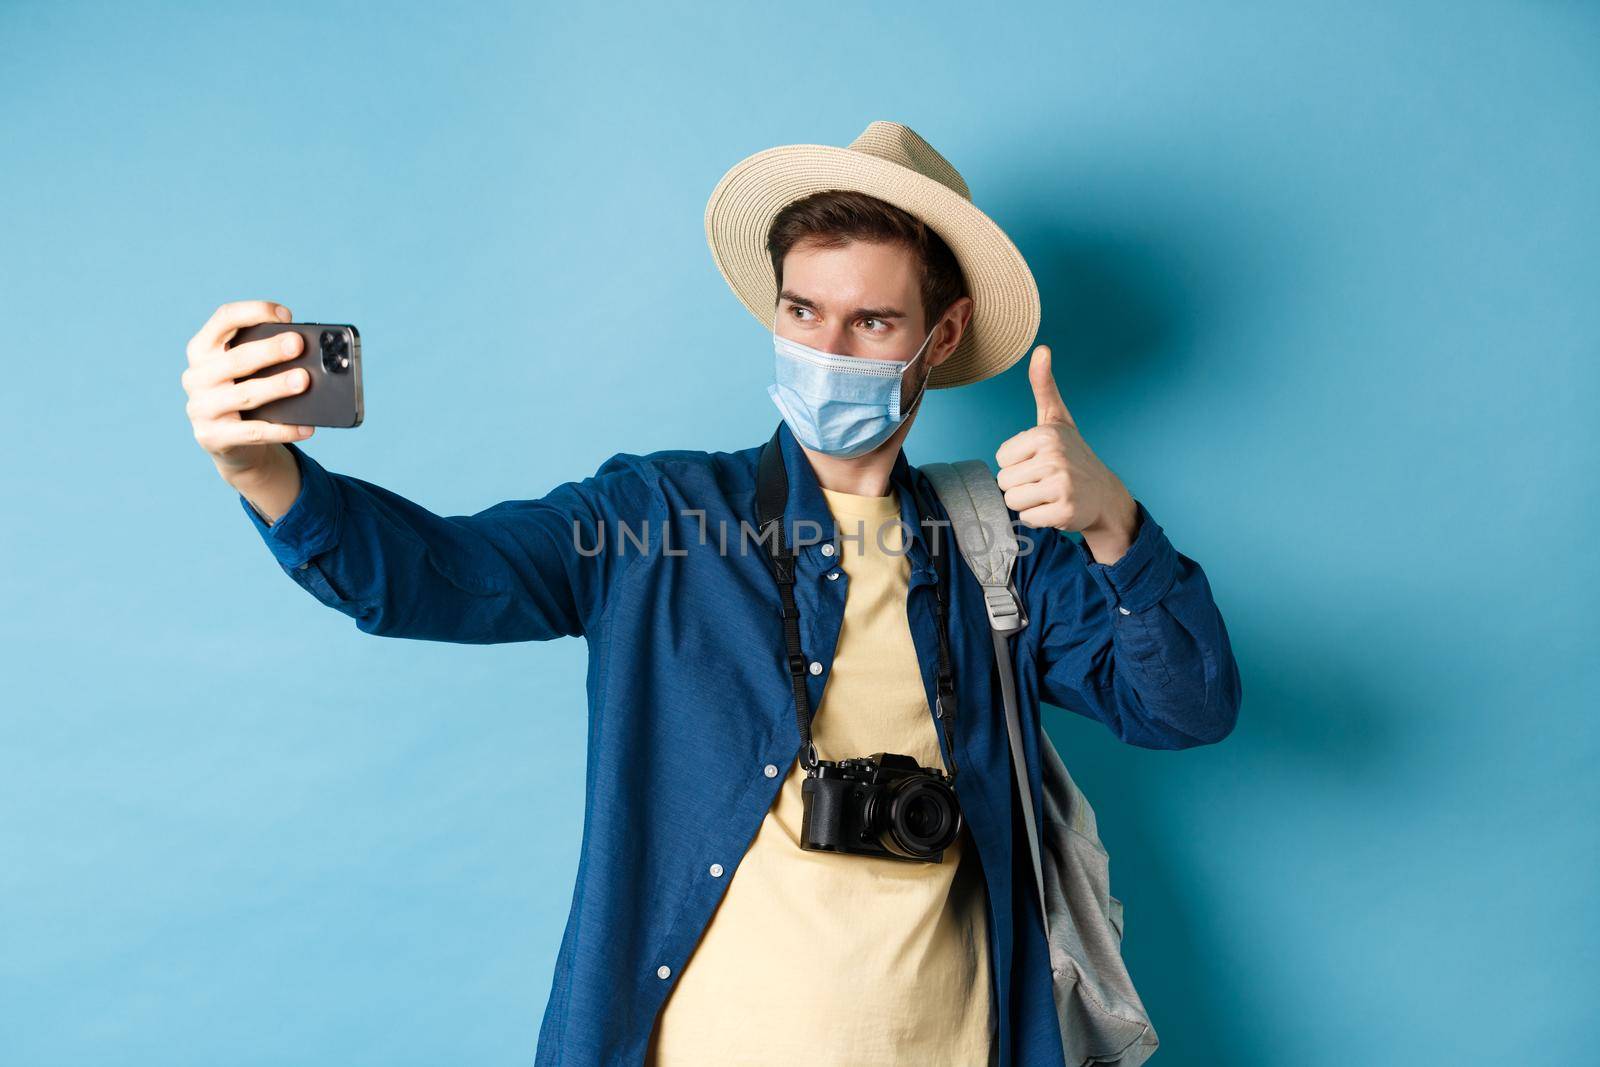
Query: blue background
[(1321, 282)]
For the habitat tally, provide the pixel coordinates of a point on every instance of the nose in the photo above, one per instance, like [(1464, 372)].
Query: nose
[(838, 342)]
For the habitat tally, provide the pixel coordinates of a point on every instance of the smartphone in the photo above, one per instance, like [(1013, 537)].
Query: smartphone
[(331, 354)]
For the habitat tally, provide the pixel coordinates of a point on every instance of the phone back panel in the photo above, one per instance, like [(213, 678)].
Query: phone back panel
[(334, 395)]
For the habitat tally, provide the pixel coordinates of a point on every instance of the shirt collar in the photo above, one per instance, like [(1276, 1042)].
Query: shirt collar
[(807, 505)]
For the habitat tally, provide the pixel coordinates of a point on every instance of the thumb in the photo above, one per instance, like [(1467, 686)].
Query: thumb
[(1045, 394)]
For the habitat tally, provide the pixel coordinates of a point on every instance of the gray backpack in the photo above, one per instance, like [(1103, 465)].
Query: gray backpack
[(1102, 1018)]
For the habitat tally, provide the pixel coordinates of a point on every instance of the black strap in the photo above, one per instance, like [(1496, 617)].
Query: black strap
[(772, 494), (945, 687)]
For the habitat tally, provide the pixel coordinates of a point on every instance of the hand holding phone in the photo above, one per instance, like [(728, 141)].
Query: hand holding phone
[(231, 380), (330, 354)]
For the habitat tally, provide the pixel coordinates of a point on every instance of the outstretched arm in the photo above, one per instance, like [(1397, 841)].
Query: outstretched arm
[(521, 570)]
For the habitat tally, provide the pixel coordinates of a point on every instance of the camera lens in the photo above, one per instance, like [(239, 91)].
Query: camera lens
[(921, 818), (335, 352)]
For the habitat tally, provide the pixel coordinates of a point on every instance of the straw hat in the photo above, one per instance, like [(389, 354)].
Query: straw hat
[(891, 162)]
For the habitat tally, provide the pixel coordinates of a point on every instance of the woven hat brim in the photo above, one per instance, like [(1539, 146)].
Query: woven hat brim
[(1005, 316)]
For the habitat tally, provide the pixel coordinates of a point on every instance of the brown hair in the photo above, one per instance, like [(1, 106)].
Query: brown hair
[(835, 217)]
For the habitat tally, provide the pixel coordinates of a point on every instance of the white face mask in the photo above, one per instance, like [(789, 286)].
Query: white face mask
[(840, 405)]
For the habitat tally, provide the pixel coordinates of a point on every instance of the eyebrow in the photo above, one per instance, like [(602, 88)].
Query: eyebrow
[(864, 313)]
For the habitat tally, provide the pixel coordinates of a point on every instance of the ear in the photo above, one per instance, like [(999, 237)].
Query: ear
[(941, 348)]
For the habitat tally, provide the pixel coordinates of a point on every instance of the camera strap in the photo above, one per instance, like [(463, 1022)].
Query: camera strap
[(772, 494)]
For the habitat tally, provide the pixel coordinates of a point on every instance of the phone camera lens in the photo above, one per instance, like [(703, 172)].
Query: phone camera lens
[(335, 352)]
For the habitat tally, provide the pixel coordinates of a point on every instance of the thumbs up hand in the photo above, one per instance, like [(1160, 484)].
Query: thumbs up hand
[(1052, 478)]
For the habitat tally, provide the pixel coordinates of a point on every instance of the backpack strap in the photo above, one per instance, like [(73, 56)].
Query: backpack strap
[(983, 533), (982, 529)]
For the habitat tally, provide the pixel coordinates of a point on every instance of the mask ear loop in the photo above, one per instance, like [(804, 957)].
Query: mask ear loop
[(923, 388)]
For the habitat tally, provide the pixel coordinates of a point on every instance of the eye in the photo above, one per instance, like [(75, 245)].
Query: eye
[(797, 308), (871, 319)]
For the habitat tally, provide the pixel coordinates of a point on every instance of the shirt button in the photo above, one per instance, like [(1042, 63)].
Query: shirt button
[(1124, 610), (770, 770), (815, 668), (716, 870), (303, 566), (833, 576), (663, 971), (827, 550)]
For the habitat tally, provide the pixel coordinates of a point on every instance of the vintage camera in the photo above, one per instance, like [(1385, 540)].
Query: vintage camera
[(884, 804)]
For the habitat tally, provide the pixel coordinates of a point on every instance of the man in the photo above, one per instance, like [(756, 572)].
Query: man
[(705, 927)]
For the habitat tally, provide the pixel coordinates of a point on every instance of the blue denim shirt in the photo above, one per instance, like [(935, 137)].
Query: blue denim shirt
[(691, 708)]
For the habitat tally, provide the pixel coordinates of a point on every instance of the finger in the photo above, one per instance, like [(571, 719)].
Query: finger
[(234, 316), (1022, 446), (244, 396), (1051, 408), (252, 356), (1029, 470), (1044, 516), (1020, 498), (241, 360), (229, 433), (252, 393)]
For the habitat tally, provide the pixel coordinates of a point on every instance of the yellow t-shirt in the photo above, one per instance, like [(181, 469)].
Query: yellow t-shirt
[(818, 958)]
